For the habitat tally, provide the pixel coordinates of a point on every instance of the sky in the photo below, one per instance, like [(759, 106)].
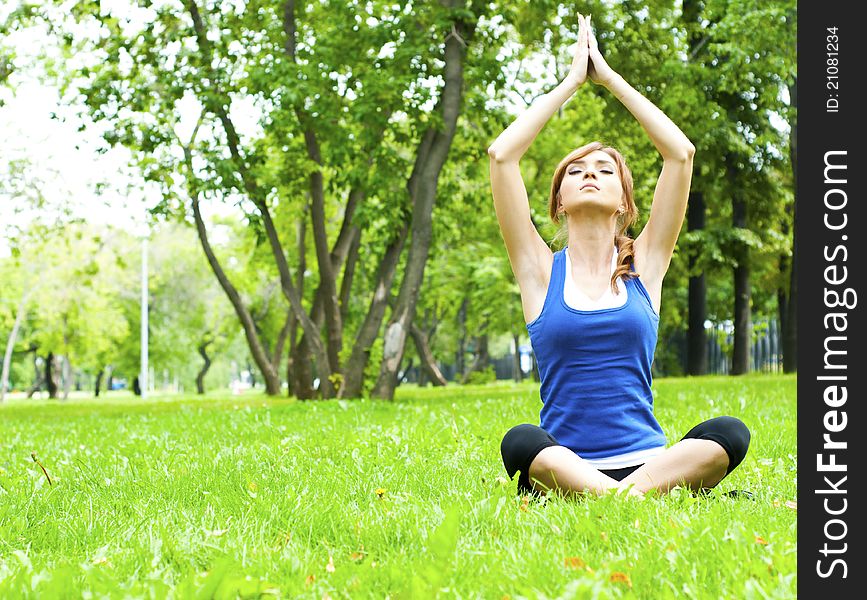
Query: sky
[(37, 129), (59, 149)]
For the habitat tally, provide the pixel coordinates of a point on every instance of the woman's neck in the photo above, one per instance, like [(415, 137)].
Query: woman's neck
[(590, 248)]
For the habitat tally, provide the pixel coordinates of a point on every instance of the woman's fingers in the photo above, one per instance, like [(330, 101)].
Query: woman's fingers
[(590, 36), (581, 30), (578, 70)]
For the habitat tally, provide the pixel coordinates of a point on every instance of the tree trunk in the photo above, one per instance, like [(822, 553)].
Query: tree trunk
[(428, 363), (696, 335), (10, 343), (353, 376), (272, 377), (790, 323), (460, 367), (482, 358), (742, 324), (300, 382), (517, 373), (200, 377), (38, 376), (98, 383), (696, 345), (422, 186), (51, 376)]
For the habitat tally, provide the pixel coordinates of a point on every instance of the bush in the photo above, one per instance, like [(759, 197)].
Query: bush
[(486, 375)]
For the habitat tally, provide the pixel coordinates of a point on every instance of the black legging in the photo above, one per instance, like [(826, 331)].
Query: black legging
[(522, 443)]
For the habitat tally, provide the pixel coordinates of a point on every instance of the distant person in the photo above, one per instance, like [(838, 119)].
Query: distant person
[(592, 308)]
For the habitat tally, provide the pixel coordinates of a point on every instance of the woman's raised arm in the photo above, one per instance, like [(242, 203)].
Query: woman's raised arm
[(523, 243), (656, 242), (511, 145)]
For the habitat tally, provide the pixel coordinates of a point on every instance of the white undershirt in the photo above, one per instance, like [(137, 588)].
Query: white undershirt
[(578, 300)]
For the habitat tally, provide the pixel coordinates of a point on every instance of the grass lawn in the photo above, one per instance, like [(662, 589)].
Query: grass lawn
[(227, 497)]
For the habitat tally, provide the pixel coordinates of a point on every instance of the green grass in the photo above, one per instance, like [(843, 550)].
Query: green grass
[(250, 497)]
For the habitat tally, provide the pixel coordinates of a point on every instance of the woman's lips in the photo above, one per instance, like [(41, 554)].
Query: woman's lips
[(589, 185)]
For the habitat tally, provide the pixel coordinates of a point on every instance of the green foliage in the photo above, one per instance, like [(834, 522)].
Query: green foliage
[(486, 375)]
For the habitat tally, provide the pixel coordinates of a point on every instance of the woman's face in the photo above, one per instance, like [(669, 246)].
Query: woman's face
[(592, 180)]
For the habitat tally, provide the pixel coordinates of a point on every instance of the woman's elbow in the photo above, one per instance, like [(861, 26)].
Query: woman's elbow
[(684, 154)]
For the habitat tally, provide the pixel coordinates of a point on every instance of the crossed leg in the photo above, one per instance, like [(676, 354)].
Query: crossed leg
[(706, 454), (689, 463)]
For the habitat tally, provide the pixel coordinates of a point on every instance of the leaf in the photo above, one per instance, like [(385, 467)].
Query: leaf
[(620, 577), (330, 566), (761, 540), (791, 504), (574, 562)]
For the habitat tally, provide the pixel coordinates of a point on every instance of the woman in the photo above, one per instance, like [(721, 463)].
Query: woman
[(592, 308)]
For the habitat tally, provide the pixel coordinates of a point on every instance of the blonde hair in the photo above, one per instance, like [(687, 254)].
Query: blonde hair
[(625, 254)]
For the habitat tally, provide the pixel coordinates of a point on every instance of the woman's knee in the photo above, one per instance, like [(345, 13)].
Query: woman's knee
[(729, 432), (520, 446)]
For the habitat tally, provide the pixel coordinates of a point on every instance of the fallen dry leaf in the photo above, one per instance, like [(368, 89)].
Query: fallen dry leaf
[(618, 577), (574, 562), (791, 504), (525, 503), (309, 579), (356, 556), (761, 540)]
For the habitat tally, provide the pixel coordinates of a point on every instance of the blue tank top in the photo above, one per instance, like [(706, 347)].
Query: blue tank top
[(594, 367)]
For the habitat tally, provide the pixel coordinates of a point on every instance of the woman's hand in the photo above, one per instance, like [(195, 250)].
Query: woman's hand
[(578, 71), (598, 70)]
